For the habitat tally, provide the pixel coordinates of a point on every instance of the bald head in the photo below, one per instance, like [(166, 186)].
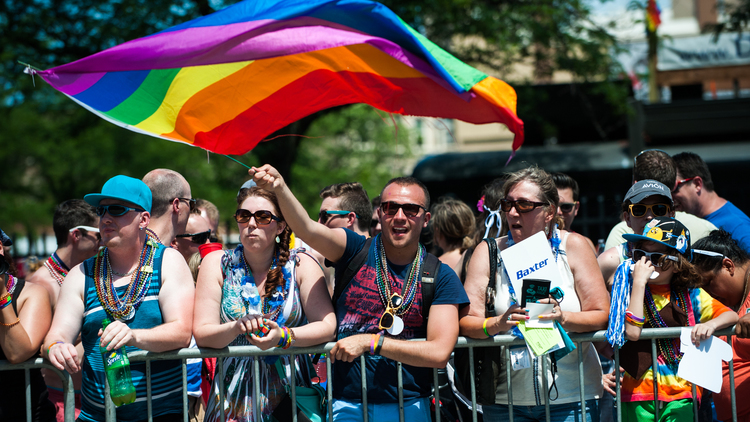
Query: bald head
[(165, 185)]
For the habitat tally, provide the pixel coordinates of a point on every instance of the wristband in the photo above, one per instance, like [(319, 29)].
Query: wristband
[(52, 345), (484, 327), (634, 320), (373, 342), (379, 345), (5, 301), (292, 338)]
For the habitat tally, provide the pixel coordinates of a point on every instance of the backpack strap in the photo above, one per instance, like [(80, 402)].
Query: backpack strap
[(351, 270), (430, 268), (489, 296)]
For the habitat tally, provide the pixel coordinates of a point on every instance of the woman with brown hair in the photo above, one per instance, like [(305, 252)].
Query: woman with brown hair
[(260, 294), (452, 229), (529, 206)]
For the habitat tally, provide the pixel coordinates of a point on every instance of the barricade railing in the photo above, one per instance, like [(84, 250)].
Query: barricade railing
[(251, 351)]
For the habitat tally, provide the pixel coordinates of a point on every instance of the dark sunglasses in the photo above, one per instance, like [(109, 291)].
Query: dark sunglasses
[(199, 238), (262, 217), (374, 223), (114, 210), (567, 207), (679, 183), (190, 201), (410, 210), (324, 215), (656, 258), (659, 210), (522, 206), (387, 319)]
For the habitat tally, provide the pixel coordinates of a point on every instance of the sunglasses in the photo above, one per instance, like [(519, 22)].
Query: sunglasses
[(410, 210), (86, 230), (659, 210), (262, 217), (655, 257), (199, 238), (679, 184), (522, 206), (191, 202), (324, 215), (388, 317), (374, 223), (114, 210), (567, 207)]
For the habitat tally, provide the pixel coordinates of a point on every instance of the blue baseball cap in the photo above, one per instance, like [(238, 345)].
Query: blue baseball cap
[(123, 188)]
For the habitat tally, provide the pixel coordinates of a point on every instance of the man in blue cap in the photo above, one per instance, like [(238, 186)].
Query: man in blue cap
[(144, 288)]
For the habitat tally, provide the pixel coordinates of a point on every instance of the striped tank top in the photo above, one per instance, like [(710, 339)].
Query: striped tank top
[(166, 376)]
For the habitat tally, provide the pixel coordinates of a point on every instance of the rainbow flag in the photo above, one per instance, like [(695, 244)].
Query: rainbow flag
[(653, 15), (226, 81)]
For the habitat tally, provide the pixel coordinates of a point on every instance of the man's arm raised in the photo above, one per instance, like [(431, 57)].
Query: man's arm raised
[(329, 242)]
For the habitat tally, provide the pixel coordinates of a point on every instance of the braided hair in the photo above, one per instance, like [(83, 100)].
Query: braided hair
[(275, 276)]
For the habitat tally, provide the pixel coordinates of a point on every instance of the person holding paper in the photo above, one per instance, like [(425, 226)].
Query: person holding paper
[(725, 268), (660, 290), (530, 207)]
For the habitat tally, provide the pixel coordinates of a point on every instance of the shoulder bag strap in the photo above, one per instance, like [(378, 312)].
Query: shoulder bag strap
[(491, 283)]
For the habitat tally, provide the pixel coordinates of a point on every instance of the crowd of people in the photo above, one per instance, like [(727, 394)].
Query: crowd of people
[(146, 255)]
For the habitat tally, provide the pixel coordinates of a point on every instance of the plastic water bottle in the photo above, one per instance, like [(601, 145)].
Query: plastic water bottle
[(117, 368)]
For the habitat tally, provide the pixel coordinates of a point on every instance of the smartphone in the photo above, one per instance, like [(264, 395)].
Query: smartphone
[(534, 289)]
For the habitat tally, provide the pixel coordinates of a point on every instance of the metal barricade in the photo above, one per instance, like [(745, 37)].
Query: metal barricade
[(255, 353)]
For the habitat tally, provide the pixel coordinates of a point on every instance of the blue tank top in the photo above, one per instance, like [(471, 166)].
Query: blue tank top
[(166, 376)]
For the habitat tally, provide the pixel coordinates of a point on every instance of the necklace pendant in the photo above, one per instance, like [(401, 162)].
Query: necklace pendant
[(397, 327), (147, 269)]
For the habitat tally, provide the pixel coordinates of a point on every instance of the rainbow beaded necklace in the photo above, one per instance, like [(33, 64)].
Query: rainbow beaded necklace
[(11, 284), (57, 268), (124, 308), (409, 290), (669, 349)]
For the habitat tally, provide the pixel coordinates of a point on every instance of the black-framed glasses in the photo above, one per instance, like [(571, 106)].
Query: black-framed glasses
[(659, 210), (262, 217), (191, 202), (114, 210), (374, 223), (389, 316), (522, 205), (410, 210), (324, 215), (198, 238), (679, 183), (567, 207), (656, 258)]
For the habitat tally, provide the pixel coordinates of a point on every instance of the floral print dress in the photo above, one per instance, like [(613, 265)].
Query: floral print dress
[(240, 297)]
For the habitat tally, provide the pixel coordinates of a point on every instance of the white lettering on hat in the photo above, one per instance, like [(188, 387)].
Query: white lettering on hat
[(653, 185)]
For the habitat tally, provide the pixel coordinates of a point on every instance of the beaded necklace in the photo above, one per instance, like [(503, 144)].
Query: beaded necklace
[(409, 290), (57, 268), (124, 308), (11, 284), (266, 304), (153, 234), (669, 349)]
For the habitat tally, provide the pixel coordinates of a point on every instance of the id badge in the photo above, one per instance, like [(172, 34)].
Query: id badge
[(520, 357)]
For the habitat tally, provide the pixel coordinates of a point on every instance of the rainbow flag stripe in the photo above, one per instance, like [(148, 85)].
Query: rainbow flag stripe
[(226, 81)]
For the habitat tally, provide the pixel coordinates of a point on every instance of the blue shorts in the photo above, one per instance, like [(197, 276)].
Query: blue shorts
[(567, 412), (415, 410)]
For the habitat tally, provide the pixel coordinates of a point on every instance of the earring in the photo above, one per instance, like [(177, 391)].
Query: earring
[(278, 239), (142, 228), (546, 230)]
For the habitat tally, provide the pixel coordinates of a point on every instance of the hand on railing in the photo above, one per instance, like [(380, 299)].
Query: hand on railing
[(609, 383)]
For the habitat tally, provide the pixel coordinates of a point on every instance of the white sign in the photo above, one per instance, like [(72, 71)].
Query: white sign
[(531, 258), (702, 365)]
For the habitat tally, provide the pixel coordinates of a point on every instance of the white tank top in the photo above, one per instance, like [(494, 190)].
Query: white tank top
[(527, 384)]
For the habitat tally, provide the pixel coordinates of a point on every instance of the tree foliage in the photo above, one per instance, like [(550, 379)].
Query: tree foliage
[(53, 150)]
